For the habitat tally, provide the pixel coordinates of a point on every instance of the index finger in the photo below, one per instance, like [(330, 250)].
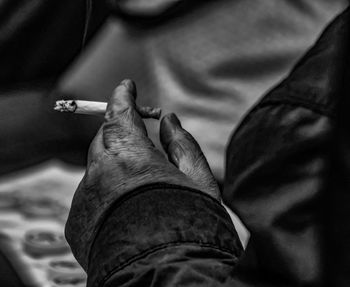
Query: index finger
[(122, 99), (122, 119)]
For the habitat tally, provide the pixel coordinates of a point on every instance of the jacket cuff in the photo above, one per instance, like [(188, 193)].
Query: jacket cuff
[(155, 217)]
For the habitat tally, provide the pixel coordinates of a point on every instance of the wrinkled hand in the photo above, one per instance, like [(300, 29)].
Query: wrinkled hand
[(122, 154), (122, 158)]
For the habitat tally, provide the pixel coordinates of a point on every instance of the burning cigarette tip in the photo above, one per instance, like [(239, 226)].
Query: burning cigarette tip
[(65, 106)]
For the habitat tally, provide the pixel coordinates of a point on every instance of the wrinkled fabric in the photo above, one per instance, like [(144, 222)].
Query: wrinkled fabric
[(338, 195), (278, 162), (144, 240), (277, 166)]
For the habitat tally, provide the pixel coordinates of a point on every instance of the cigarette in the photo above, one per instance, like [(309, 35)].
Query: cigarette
[(99, 108)]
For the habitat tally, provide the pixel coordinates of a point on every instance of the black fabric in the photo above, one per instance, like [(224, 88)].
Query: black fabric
[(40, 38), (8, 275), (338, 195), (278, 163), (159, 220)]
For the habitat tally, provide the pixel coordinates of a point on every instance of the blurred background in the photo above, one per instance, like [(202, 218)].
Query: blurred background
[(207, 61)]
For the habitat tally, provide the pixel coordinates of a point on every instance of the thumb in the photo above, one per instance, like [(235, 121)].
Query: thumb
[(185, 153)]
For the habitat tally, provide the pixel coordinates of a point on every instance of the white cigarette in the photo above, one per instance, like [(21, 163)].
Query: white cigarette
[(99, 108)]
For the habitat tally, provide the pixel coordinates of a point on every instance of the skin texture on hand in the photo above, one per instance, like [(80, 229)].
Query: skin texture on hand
[(185, 153), (121, 151), (122, 158)]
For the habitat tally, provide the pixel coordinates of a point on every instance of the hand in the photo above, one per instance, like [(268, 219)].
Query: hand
[(122, 157), (121, 154)]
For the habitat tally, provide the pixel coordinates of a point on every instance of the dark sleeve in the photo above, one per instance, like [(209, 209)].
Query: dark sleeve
[(277, 170), (164, 235)]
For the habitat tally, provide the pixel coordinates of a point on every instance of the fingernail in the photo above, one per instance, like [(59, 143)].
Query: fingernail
[(172, 123), (128, 84), (174, 120)]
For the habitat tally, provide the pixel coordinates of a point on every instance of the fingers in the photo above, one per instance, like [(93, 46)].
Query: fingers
[(184, 152), (122, 120), (124, 98), (149, 112)]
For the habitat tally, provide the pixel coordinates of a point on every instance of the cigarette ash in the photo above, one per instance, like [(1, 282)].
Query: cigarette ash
[(65, 106)]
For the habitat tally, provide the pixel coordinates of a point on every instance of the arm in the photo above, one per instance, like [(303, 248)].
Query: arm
[(137, 218)]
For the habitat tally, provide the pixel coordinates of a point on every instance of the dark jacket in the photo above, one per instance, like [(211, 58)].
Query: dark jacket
[(276, 177)]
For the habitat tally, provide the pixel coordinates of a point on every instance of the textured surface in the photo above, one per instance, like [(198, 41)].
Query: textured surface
[(21, 201)]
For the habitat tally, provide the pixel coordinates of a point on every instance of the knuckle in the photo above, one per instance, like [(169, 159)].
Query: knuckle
[(117, 112)]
